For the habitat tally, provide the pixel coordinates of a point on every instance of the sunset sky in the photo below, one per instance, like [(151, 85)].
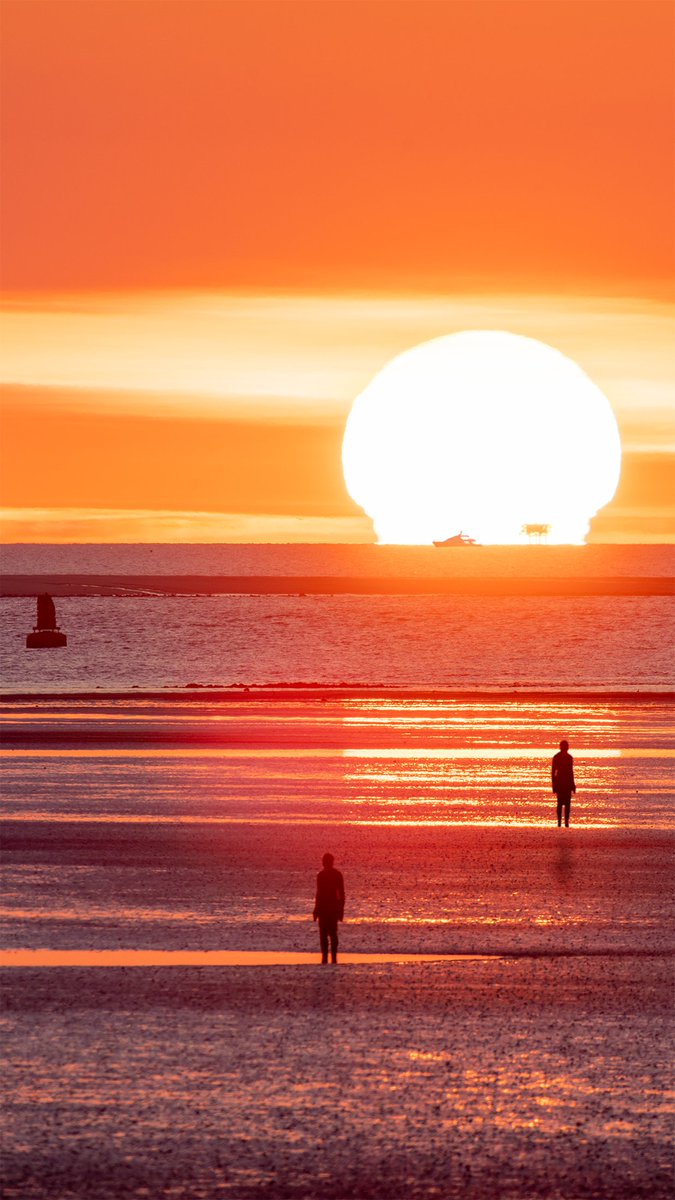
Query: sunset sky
[(221, 217)]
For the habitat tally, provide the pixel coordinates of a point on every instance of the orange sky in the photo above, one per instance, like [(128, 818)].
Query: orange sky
[(369, 152)]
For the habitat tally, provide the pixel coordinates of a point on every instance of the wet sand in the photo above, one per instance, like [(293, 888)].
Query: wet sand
[(411, 889), (500, 1078), (533, 1062)]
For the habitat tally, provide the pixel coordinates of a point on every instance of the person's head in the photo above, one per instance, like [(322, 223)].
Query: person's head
[(328, 860), (564, 746)]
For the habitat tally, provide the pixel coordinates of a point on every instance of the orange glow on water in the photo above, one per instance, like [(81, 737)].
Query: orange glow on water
[(254, 752), (207, 958), (388, 763)]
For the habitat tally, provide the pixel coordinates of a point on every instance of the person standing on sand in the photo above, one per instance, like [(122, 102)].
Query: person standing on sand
[(329, 906), (562, 781)]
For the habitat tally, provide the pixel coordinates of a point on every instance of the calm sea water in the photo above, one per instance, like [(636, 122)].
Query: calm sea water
[(605, 642), (259, 559), (462, 642)]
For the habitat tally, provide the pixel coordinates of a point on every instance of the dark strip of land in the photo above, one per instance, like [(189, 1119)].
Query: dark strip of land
[(285, 585)]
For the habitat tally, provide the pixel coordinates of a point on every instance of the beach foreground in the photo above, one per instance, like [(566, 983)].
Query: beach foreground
[(500, 1077), (532, 1062)]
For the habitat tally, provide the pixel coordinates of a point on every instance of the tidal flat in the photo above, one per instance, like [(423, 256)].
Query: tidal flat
[(511, 1078), (529, 1056)]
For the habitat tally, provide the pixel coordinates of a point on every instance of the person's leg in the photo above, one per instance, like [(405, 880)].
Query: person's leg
[(333, 941), (559, 808), (323, 937), (568, 805)]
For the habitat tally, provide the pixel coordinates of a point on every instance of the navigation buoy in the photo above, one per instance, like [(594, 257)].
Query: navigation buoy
[(46, 634)]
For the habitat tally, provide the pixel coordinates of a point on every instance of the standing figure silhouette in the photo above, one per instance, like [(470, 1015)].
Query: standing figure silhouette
[(562, 781), (329, 907)]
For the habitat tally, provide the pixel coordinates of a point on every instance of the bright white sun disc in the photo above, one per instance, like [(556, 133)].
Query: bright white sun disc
[(483, 432)]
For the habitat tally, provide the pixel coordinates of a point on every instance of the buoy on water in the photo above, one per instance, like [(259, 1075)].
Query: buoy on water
[(46, 634)]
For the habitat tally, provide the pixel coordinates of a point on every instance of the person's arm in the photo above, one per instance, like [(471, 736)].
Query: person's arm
[(315, 914), (554, 772), (574, 786), (341, 897)]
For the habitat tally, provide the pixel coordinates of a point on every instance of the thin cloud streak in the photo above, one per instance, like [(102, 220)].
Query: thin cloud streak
[(286, 357), (66, 525)]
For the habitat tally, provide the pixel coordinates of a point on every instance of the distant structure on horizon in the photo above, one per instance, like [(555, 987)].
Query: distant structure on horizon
[(46, 634), (537, 533), (458, 539)]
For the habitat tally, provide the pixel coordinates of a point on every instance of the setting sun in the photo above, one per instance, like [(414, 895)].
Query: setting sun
[(481, 432), (312, 830)]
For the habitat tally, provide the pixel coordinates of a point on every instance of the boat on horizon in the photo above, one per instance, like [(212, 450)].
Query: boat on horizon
[(46, 634), (458, 539)]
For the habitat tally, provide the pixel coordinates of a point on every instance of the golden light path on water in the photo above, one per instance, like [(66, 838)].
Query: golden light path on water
[(371, 786), (163, 832), (497, 752), (280, 822), (207, 958)]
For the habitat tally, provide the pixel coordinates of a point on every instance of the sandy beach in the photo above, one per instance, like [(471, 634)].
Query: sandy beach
[(499, 1078), (529, 1059), (499, 1023)]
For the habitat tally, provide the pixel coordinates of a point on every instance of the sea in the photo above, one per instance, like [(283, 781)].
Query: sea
[(499, 1022), (139, 639)]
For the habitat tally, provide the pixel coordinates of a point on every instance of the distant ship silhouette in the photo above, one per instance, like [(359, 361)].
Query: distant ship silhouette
[(459, 539), (46, 634)]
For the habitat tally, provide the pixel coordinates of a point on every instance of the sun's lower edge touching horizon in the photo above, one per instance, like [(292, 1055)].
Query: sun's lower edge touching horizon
[(482, 432)]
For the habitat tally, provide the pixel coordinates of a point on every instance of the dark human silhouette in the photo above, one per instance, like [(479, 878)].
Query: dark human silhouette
[(562, 781), (329, 907)]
